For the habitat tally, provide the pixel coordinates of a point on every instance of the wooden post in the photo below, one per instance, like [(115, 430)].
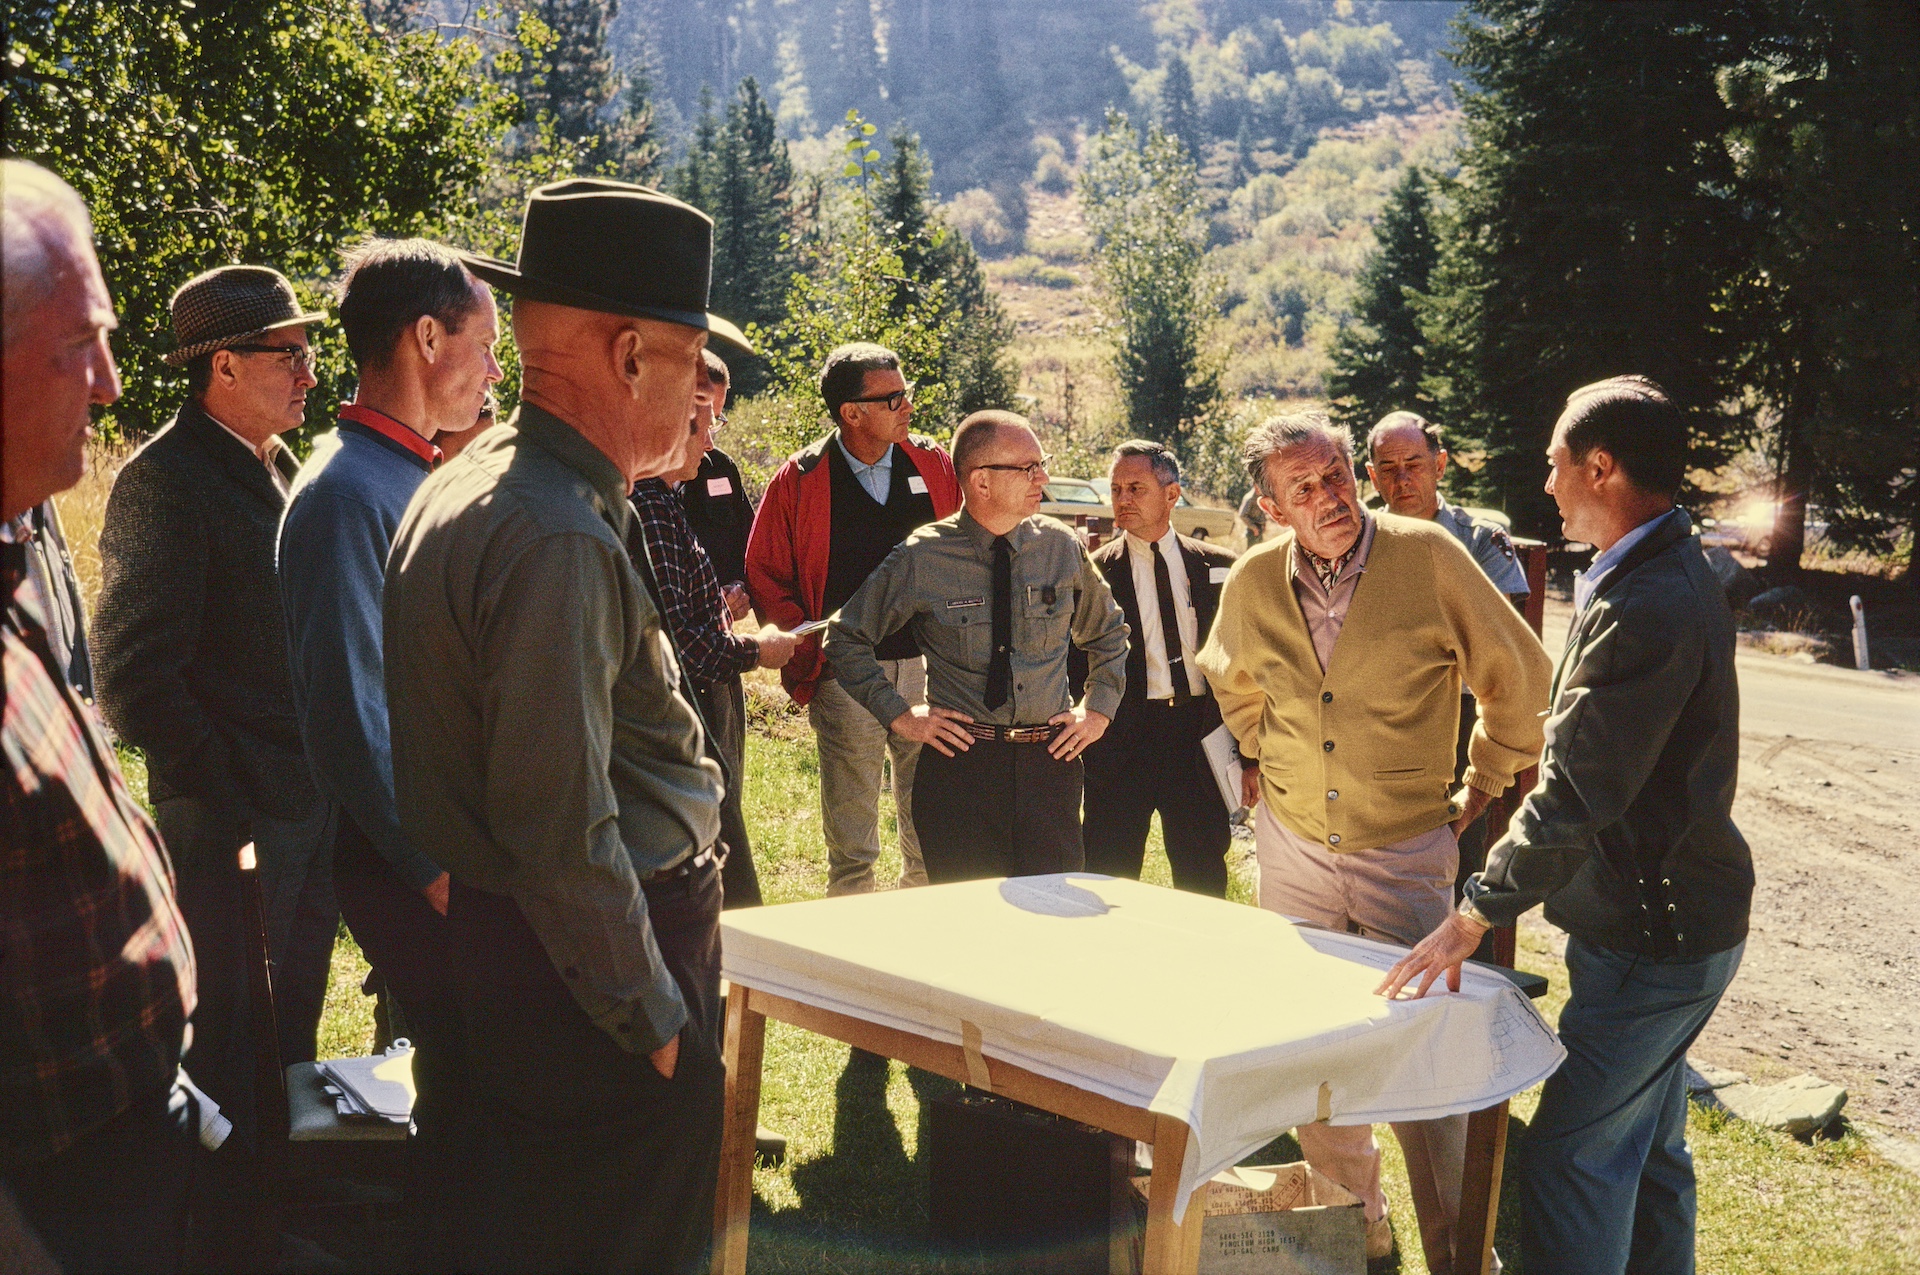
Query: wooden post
[(746, 1042), (1480, 1187), (1171, 1249)]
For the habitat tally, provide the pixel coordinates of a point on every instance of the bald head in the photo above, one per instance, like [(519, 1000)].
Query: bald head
[(58, 315), (628, 385), (1405, 460)]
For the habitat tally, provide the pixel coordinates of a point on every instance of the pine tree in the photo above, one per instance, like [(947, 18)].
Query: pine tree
[(1179, 111), (1379, 360), (1156, 294), (572, 79), (974, 360), (738, 172), (1590, 234), (1829, 135)]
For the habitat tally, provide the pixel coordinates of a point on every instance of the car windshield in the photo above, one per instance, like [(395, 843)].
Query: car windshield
[(1073, 494)]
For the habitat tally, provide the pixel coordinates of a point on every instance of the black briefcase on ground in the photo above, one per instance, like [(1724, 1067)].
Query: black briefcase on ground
[(1029, 1190)]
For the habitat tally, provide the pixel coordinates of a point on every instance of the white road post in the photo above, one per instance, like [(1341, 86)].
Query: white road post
[(1859, 634)]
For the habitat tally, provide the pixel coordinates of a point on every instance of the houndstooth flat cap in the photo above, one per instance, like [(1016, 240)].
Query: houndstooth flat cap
[(229, 305)]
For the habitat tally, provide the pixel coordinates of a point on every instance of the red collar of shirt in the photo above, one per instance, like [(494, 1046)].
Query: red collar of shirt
[(385, 426)]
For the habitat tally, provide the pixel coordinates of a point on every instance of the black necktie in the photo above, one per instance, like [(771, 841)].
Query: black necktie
[(1000, 667), (1170, 628)]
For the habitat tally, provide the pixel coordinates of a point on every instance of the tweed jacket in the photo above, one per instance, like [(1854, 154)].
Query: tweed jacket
[(190, 637), (1629, 838)]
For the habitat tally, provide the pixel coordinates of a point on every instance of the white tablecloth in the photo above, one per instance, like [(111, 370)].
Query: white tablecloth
[(1225, 1016)]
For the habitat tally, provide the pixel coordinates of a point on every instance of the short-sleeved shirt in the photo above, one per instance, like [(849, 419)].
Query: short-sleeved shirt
[(939, 581), (1490, 546)]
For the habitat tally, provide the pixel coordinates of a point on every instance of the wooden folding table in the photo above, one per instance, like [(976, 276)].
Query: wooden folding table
[(848, 1003)]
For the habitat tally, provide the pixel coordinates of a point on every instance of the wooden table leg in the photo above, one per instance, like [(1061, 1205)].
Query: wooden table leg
[(746, 1042), (1480, 1188), (1171, 1249)]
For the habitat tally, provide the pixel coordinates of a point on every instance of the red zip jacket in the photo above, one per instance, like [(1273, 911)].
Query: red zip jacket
[(788, 547)]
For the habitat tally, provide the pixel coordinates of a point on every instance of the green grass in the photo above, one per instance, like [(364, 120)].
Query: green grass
[(853, 1193)]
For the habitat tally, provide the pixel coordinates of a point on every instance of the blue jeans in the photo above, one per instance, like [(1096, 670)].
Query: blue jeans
[(1606, 1179)]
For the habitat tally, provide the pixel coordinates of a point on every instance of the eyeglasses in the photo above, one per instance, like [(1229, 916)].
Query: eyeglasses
[(893, 400), (719, 421), (1032, 469), (299, 357)]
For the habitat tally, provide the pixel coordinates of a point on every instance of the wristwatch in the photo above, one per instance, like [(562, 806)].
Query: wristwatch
[(1474, 914)]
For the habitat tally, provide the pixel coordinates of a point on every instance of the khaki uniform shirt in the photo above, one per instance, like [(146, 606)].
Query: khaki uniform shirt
[(939, 581), (541, 747)]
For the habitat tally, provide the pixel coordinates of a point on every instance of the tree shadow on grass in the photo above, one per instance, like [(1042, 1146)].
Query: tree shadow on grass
[(863, 1206)]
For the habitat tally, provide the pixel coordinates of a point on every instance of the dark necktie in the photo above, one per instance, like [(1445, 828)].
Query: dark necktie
[(1170, 628), (1000, 667)]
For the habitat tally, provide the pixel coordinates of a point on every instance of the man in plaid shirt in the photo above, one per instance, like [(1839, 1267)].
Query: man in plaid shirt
[(96, 971), (713, 656)]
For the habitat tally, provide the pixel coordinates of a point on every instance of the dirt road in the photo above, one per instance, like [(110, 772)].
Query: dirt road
[(1830, 802)]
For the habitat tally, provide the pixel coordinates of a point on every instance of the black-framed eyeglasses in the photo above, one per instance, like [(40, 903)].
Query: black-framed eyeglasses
[(1032, 469), (299, 357), (893, 400)]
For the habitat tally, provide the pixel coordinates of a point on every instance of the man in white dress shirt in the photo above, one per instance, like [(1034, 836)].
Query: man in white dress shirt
[(1150, 759)]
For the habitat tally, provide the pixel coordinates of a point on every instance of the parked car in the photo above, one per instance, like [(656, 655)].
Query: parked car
[(1077, 501)]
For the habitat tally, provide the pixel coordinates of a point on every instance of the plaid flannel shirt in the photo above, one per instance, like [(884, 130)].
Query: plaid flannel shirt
[(696, 611), (96, 969)]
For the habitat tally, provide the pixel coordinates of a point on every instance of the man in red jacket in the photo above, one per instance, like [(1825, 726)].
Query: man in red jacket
[(830, 516)]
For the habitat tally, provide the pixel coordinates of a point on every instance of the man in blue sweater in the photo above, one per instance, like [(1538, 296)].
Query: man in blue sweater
[(421, 331)]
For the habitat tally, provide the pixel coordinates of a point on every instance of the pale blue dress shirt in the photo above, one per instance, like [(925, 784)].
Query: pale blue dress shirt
[(876, 478)]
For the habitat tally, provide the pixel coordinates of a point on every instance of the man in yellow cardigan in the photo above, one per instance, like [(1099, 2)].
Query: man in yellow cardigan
[(1338, 659)]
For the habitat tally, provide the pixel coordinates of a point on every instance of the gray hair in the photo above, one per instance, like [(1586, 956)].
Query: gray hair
[(38, 207), (1166, 466), (1404, 420), (1278, 434)]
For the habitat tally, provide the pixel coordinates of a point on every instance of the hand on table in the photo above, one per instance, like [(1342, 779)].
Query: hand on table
[(1440, 952), (735, 596), (436, 891), (776, 647), (931, 724), (1084, 726), (1472, 802), (666, 1058)]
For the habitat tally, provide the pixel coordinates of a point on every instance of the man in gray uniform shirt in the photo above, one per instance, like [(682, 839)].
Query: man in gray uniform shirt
[(996, 597), (1405, 459)]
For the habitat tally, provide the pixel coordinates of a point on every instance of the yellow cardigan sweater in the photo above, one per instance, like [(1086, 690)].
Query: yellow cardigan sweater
[(1362, 755)]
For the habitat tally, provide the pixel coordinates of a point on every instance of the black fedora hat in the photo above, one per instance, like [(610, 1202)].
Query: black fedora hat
[(615, 248)]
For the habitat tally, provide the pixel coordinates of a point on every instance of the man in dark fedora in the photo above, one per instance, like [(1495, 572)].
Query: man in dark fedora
[(547, 753), (190, 664)]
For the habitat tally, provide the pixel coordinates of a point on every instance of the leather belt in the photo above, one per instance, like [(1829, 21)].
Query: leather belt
[(685, 867), (1013, 734)]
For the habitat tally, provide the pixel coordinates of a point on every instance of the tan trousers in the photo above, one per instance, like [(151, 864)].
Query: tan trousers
[(1399, 894), (854, 754)]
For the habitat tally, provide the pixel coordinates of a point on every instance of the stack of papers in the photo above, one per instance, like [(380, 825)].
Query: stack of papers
[(379, 1087)]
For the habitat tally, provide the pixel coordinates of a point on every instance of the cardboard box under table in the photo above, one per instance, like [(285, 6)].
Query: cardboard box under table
[(1202, 1027)]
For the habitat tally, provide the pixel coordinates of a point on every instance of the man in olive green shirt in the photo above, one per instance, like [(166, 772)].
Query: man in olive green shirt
[(545, 755), (996, 597)]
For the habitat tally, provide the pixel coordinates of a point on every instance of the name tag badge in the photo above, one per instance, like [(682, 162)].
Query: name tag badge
[(957, 603), (1216, 575), (917, 485), (719, 486)]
